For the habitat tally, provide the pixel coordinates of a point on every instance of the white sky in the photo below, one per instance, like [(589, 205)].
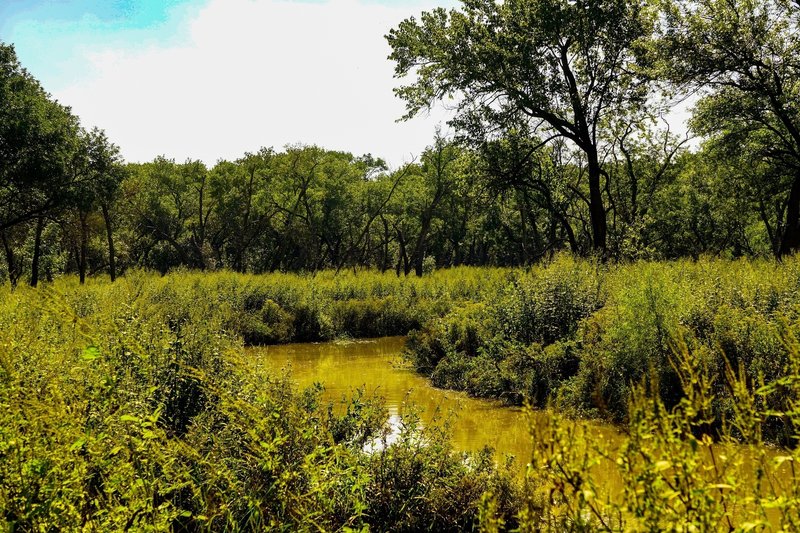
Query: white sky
[(253, 73)]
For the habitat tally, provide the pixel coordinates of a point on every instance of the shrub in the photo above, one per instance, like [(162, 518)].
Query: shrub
[(130, 406), (580, 334)]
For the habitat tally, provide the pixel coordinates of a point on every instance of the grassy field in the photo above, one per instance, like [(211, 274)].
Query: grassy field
[(130, 406)]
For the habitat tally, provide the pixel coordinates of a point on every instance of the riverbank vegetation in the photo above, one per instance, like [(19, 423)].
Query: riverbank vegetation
[(675, 476), (129, 407), (132, 405), (580, 335), (569, 250), (577, 334)]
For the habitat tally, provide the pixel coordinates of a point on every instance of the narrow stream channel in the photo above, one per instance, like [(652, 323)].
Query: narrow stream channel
[(377, 365)]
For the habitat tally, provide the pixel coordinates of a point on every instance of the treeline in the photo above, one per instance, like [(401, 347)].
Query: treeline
[(559, 145)]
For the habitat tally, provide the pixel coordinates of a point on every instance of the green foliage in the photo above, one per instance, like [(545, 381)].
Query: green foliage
[(582, 334), (675, 474), (402, 498), (145, 415), (548, 303), (40, 141), (567, 69), (130, 406), (743, 54)]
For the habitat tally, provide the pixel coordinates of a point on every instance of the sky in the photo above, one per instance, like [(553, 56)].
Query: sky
[(213, 79)]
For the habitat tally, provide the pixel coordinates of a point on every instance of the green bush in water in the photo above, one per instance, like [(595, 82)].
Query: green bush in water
[(581, 334)]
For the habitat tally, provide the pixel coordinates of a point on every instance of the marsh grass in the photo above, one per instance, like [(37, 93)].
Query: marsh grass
[(580, 334), (678, 473), (132, 405)]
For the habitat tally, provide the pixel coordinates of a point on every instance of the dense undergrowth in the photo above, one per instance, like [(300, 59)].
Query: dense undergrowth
[(131, 406), (675, 476), (580, 335)]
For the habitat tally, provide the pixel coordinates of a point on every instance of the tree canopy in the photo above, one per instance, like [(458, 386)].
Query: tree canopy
[(568, 69), (742, 56), (560, 144)]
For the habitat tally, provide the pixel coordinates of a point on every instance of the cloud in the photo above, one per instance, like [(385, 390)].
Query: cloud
[(254, 73)]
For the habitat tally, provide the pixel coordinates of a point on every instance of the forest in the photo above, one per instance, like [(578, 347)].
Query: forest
[(566, 249), (562, 145)]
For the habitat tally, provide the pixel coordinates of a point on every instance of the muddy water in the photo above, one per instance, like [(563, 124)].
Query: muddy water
[(376, 365)]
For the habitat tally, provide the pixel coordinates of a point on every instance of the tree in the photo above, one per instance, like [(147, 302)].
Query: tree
[(439, 172), (541, 180), (241, 197), (318, 194), (39, 140), (108, 172), (170, 207), (568, 67), (642, 163), (742, 55)]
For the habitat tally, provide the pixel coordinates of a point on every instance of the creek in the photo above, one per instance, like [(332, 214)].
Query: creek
[(377, 366)]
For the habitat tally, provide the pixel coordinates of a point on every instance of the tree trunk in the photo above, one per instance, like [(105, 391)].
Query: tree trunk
[(13, 275), (112, 260), (522, 207), (573, 242), (597, 211), (84, 247), (238, 259), (419, 248), (37, 251), (791, 234), (385, 262), (774, 238), (403, 255)]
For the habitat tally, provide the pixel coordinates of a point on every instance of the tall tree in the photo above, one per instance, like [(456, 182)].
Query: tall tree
[(168, 206), (38, 140), (439, 172), (569, 67), (106, 172), (241, 198), (743, 57)]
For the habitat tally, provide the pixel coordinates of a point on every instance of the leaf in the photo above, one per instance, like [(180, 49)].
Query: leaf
[(129, 418), (720, 486), (663, 465), (90, 353)]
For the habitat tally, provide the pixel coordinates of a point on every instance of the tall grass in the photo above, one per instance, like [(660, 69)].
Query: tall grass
[(131, 407), (676, 472), (581, 334)]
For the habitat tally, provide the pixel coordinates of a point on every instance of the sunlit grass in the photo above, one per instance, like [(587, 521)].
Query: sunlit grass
[(132, 405)]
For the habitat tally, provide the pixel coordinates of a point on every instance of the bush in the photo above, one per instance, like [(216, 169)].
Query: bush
[(130, 406), (676, 473), (581, 335)]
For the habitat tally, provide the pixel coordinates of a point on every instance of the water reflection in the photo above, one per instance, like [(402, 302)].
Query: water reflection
[(376, 366)]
